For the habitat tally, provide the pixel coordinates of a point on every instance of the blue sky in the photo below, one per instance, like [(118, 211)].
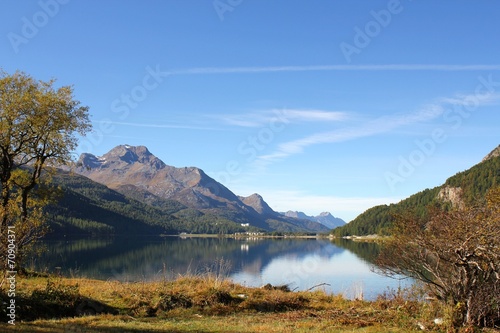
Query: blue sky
[(316, 105)]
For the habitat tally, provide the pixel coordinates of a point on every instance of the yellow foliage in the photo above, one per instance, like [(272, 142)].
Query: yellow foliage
[(37, 129)]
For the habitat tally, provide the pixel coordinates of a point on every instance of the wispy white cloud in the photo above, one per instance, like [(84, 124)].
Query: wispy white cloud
[(147, 125), (471, 100), (314, 115), (387, 67), (372, 127), (263, 118), (251, 119)]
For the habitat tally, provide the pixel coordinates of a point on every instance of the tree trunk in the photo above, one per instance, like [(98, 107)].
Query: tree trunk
[(468, 321)]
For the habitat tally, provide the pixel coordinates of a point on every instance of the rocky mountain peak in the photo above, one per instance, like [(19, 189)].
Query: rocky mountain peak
[(325, 214), (134, 168), (120, 158), (88, 161), (255, 196), (257, 202), (129, 154), (492, 154), (297, 215)]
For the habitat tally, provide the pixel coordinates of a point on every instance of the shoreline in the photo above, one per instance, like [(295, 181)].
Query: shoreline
[(367, 238), (242, 236), (206, 303)]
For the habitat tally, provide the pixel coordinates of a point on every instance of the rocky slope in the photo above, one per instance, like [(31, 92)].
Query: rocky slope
[(135, 168), (135, 172), (258, 204), (494, 153)]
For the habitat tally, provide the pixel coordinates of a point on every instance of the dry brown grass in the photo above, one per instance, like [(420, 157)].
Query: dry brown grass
[(207, 304)]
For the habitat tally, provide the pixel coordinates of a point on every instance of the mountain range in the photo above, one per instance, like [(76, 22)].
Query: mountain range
[(171, 199), (464, 188), (129, 190), (324, 218)]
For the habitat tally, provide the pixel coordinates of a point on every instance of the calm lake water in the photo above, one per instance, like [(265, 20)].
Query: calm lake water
[(301, 263)]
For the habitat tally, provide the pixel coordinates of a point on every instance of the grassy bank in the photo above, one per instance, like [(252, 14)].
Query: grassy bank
[(205, 304)]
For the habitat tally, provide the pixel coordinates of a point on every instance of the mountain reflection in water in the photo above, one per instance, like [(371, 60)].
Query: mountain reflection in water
[(340, 266)]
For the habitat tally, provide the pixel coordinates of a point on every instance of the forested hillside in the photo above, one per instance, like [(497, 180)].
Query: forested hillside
[(86, 207), (474, 183)]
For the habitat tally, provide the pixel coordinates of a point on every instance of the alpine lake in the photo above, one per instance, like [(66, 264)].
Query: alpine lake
[(336, 266)]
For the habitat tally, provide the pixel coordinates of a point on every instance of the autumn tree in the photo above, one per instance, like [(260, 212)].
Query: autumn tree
[(38, 128), (456, 253)]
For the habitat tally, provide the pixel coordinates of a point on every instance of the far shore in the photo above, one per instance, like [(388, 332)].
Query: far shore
[(366, 238), (250, 235)]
